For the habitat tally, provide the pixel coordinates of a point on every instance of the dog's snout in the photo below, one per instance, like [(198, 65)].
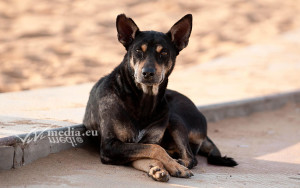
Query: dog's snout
[(148, 72)]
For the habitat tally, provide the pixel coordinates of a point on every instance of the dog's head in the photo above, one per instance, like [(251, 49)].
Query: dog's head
[(151, 54)]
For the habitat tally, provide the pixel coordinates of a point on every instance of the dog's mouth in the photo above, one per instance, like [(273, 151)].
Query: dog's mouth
[(149, 82)]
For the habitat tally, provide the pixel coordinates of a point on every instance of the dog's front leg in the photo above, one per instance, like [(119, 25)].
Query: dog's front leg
[(179, 134), (117, 152), (154, 168)]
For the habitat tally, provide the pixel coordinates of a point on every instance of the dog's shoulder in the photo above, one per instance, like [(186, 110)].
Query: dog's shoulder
[(105, 85)]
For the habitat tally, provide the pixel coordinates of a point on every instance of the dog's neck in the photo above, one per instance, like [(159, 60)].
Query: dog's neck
[(151, 99)]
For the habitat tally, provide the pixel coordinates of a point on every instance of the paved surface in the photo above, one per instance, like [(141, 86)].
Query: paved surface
[(266, 145)]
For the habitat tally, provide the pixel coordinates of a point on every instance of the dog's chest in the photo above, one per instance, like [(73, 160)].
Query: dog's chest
[(139, 136), (135, 137)]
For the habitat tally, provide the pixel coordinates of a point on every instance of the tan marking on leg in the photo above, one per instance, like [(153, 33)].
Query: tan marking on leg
[(144, 47), (172, 151), (154, 168), (184, 162), (158, 153), (159, 48), (196, 137)]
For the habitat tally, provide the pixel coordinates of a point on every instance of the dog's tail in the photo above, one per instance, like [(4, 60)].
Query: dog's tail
[(210, 150)]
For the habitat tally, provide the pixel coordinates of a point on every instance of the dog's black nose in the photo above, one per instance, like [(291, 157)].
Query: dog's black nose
[(148, 72)]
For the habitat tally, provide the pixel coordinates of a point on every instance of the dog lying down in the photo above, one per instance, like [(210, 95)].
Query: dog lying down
[(139, 121)]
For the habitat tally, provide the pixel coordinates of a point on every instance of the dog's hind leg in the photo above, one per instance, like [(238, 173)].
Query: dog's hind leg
[(154, 168), (210, 150)]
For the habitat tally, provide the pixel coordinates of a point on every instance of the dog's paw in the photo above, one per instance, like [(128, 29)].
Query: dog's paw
[(178, 170), (189, 163), (159, 174)]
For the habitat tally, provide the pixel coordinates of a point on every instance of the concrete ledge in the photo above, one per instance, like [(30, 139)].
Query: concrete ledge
[(19, 150), (6, 157), (36, 150), (217, 112)]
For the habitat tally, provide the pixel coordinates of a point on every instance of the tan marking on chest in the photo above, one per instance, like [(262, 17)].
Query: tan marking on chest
[(123, 133), (150, 90)]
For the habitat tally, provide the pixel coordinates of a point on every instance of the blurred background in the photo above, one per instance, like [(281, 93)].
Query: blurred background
[(63, 42)]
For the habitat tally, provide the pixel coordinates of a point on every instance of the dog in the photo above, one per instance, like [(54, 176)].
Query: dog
[(138, 120)]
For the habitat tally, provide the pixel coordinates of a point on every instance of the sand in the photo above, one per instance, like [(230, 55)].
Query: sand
[(49, 43), (266, 146)]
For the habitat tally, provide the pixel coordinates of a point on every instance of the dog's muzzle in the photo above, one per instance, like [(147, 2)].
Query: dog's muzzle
[(148, 73)]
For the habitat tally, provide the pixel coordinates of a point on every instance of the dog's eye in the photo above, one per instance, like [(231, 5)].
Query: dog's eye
[(163, 54), (139, 53)]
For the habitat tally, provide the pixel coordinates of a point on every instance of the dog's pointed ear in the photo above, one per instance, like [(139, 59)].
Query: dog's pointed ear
[(180, 32), (127, 30)]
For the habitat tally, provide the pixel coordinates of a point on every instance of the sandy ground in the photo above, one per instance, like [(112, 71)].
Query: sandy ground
[(266, 145), (60, 42)]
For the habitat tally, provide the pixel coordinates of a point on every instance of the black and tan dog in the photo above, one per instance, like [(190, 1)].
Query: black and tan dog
[(139, 121)]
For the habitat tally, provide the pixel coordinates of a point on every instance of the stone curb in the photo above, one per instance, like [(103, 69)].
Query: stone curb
[(14, 153), (217, 112), (19, 150)]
